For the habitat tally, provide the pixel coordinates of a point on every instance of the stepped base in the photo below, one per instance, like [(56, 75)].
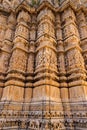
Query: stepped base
[(43, 116)]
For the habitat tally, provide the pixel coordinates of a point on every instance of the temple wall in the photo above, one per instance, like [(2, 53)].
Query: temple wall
[(43, 78)]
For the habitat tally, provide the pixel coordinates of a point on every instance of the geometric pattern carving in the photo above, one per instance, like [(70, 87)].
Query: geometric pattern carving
[(43, 64)]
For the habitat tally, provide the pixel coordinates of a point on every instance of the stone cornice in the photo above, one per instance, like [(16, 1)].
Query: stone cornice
[(61, 8), (69, 4), (45, 3), (28, 8)]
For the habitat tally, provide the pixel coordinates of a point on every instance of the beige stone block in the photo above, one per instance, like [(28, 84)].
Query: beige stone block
[(1, 91), (46, 92), (13, 93), (77, 93), (28, 94), (64, 94)]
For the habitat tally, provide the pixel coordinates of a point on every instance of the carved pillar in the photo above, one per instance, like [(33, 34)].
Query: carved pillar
[(61, 63), (6, 50), (75, 68), (46, 90), (2, 33), (30, 63), (14, 86), (46, 58), (82, 24), (82, 27), (74, 61), (3, 23)]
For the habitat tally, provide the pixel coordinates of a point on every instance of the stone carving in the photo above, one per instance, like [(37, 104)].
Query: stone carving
[(43, 63), (46, 56), (20, 61)]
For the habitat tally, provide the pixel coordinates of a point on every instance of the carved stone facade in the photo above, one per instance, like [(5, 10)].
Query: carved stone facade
[(43, 64)]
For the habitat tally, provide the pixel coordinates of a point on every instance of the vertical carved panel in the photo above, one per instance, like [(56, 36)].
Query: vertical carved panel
[(2, 28), (74, 59), (30, 61), (61, 64), (46, 55), (6, 48), (82, 24), (18, 61)]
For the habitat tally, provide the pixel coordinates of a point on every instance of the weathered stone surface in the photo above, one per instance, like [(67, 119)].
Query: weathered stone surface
[(43, 64)]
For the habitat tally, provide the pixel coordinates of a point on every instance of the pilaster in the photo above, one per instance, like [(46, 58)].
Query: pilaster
[(30, 62), (6, 46), (45, 50), (74, 61), (46, 92), (15, 79), (64, 90), (82, 26)]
